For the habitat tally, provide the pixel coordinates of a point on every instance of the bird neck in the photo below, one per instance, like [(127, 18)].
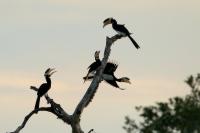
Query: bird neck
[(97, 59), (119, 79), (108, 77), (48, 80), (114, 23)]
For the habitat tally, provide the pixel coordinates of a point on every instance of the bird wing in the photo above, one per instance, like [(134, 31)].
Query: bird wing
[(114, 84), (42, 89), (110, 68), (91, 65), (94, 66), (122, 28)]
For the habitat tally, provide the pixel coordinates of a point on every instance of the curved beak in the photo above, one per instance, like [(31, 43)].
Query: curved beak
[(106, 22), (129, 82), (97, 53), (52, 71), (49, 71)]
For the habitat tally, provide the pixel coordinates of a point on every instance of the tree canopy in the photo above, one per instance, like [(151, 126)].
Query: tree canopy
[(177, 115)]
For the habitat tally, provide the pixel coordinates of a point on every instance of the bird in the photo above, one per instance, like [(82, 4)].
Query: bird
[(109, 77), (92, 68), (120, 29), (44, 88)]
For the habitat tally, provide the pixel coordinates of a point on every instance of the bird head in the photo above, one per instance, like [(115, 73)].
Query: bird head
[(108, 21), (96, 55), (125, 79), (49, 72)]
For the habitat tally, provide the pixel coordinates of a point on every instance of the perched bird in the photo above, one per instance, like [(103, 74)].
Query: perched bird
[(92, 68), (43, 89), (120, 29), (109, 77)]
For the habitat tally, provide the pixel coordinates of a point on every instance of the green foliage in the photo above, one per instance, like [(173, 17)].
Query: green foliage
[(178, 115)]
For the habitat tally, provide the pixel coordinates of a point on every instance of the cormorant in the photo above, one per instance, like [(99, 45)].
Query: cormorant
[(92, 68), (109, 77), (43, 89), (120, 29)]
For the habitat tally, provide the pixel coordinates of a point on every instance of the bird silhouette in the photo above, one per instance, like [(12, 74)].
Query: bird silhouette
[(109, 77), (108, 73), (120, 29), (44, 88), (92, 68)]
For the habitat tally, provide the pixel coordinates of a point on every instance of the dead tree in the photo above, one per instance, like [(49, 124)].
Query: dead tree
[(74, 119)]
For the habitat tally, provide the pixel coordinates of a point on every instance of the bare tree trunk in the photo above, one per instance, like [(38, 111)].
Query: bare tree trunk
[(76, 128), (74, 119)]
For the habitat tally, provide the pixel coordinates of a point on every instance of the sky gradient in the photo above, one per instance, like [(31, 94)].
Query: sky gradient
[(65, 34)]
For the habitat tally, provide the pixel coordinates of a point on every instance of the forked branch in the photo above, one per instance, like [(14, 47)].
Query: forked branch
[(74, 119)]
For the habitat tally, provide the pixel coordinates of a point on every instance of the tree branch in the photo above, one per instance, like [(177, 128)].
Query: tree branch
[(49, 109), (97, 79), (56, 109)]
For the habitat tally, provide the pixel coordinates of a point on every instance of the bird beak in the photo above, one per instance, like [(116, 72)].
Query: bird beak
[(96, 55), (49, 71), (97, 52), (104, 25), (128, 82), (52, 71), (106, 22)]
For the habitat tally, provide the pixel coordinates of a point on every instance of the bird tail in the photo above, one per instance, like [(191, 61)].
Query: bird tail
[(89, 76), (134, 42), (86, 77), (37, 103)]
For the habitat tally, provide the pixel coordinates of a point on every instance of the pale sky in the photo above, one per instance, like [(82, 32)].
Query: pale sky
[(37, 34)]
